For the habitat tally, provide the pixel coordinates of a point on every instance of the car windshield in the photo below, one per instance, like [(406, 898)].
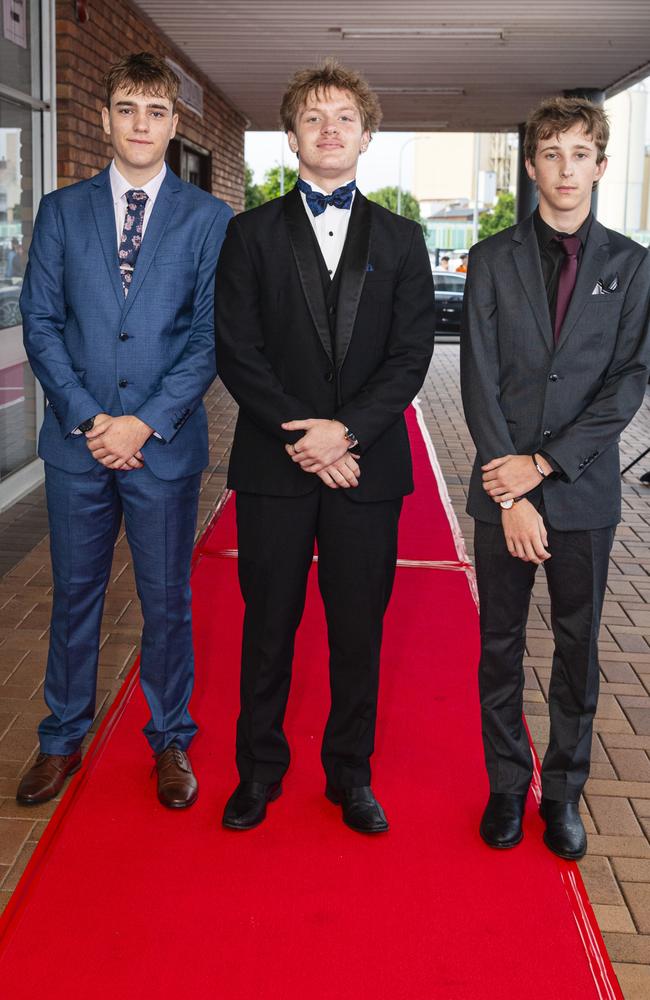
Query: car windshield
[(448, 282)]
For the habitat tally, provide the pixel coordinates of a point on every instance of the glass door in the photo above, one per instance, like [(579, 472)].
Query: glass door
[(26, 169)]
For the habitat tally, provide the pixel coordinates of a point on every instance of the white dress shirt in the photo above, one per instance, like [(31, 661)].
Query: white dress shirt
[(330, 227), (119, 187)]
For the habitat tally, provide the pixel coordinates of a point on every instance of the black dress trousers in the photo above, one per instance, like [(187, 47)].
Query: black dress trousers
[(357, 549), (577, 576)]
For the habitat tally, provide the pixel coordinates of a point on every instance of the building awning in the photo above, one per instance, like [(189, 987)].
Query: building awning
[(471, 66)]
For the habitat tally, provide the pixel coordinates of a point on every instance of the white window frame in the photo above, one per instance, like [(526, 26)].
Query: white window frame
[(43, 105)]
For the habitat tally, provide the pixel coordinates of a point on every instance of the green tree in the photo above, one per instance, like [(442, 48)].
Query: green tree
[(270, 188), (387, 198), (252, 192), (499, 217)]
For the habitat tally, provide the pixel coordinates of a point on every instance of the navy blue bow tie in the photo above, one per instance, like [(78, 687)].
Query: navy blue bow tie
[(341, 198)]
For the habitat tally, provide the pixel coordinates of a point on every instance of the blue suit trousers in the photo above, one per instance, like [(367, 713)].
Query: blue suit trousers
[(85, 513)]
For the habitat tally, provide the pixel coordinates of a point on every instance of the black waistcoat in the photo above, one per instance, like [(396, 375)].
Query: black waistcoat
[(331, 287)]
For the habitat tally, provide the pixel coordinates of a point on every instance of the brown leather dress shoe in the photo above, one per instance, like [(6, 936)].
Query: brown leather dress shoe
[(177, 786), (46, 777)]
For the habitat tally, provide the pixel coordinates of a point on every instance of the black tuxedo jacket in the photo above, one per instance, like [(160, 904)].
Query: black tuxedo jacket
[(274, 346), (522, 392)]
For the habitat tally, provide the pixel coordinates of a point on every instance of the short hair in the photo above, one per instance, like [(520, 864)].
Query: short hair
[(444, 258), (558, 114), (329, 74), (142, 72)]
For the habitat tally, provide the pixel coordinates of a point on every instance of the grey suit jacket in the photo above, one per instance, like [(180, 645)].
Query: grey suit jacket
[(522, 393)]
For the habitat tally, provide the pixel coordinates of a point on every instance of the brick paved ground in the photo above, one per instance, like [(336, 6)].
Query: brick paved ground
[(617, 800)]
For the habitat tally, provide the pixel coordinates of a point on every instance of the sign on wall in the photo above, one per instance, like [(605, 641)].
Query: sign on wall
[(14, 21), (191, 92)]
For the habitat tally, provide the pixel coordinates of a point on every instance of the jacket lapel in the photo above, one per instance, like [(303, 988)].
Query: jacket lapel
[(302, 244), (163, 209), (353, 274), (592, 265), (101, 200), (529, 267)]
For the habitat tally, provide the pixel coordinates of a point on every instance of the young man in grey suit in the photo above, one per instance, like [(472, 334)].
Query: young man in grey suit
[(554, 364), (118, 311)]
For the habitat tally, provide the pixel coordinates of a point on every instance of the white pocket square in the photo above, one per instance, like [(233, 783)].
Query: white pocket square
[(604, 287)]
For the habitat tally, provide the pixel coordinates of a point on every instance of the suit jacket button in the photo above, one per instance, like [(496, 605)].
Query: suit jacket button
[(329, 376), (552, 377), (124, 336), (123, 383), (332, 310), (548, 434)]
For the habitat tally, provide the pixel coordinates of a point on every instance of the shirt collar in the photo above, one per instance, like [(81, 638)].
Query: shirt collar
[(120, 185), (546, 234)]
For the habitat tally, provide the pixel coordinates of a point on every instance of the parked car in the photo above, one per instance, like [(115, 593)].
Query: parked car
[(450, 288), (9, 311)]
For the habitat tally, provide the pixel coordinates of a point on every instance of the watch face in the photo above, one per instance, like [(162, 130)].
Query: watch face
[(506, 504)]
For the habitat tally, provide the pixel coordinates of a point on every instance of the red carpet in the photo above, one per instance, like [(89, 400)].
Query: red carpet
[(127, 899)]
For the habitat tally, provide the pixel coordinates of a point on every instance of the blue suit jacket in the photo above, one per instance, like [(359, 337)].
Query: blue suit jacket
[(151, 354)]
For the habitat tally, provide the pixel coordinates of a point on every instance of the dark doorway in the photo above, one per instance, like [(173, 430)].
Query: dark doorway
[(192, 163)]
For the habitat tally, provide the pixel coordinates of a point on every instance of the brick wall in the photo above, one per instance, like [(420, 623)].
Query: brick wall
[(83, 52)]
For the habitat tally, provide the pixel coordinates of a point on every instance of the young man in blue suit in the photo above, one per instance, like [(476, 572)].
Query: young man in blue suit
[(117, 308)]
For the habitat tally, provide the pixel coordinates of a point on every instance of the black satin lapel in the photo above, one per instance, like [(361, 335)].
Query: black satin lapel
[(101, 200), (529, 266), (355, 266), (302, 244), (161, 213), (592, 267)]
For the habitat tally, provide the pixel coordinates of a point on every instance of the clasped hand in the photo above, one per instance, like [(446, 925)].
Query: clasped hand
[(525, 533), (511, 476), (115, 442), (323, 450)]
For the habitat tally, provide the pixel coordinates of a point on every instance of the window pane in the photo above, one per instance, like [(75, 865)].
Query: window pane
[(15, 55), (17, 385)]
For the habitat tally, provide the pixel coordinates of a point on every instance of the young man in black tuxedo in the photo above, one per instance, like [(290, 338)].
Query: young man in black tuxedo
[(325, 328), (554, 364)]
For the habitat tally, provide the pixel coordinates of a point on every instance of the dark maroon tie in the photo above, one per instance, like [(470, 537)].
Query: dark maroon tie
[(568, 273)]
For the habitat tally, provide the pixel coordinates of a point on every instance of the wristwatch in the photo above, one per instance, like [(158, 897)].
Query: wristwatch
[(350, 437), (507, 504), (87, 425)]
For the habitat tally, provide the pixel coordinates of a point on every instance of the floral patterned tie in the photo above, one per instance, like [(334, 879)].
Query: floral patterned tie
[(131, 235)]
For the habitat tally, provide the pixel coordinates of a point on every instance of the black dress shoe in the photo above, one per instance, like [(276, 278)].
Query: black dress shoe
[(361, 811), (502, 820), (246, 807), (565, 834)]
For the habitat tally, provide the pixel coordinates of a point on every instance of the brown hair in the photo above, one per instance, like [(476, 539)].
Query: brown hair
[(330, 74), (142, 71), (557, 114)]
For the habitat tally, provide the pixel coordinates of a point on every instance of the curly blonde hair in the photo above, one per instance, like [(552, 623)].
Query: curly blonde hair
[(329, 75)]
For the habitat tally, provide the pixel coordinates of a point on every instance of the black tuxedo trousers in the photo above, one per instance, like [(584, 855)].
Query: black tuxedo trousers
[(357, 549)]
